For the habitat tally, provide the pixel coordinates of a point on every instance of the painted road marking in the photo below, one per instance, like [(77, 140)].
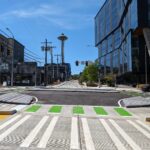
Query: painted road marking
[(139, 128), (100, 111), (112, 135), (12, 128), (33, 108), (9, 122), (78, 110), (19, 107), (87, 135), (55, 109), (144, 125), (125, 136), (2, 117), (74, 134), (34, 132), (44, 140), (122, 112)]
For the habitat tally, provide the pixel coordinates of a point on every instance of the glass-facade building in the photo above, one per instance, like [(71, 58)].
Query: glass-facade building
[(120, 40)]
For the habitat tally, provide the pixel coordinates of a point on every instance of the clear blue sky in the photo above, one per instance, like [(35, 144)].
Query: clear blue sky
[(32, 21)]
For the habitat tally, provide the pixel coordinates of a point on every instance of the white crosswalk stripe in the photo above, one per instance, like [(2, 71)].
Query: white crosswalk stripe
[(125, 135), (48, 133), (9, 122), (112, 135), (29, 139), (139, 128), (142, 124), (74, 134), (12, 128), (87, 135)]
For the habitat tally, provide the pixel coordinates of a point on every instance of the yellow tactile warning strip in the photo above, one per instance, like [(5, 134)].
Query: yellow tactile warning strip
[(3, 117)]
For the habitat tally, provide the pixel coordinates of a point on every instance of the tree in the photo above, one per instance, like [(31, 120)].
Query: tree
[(90, 74)]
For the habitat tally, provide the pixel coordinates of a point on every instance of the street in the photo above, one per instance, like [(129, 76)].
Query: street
[(78, 98)]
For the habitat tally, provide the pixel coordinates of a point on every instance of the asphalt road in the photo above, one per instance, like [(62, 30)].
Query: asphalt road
[(78, 98)]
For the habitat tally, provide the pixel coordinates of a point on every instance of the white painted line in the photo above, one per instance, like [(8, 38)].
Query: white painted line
[(9, 122), (112, 135), (12, 128), (119, 103), (144, 132), (144, 125), (74, 134), (125, 136), (34, 132), (87, 135), (44, 140), (19, 107)]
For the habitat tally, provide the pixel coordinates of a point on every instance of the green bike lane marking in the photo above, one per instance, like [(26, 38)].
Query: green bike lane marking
[(100, 111), (55, 109), (33, 108), (122, 112), (78, 110)]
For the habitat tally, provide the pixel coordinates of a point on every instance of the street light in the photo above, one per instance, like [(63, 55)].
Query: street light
[(12, 61), (146, 64)]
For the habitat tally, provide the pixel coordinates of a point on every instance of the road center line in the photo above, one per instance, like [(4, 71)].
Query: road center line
[(9, 122), (48, 133), (112, 135), (125, 136), (74, 134), (87, 135), (34, 132), (144, 132), (15, 126)]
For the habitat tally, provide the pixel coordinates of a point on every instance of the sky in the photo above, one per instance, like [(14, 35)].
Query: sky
[(32, 21)]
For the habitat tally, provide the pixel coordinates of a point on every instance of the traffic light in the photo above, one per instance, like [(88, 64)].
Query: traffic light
[(86, 63), (77, 63)]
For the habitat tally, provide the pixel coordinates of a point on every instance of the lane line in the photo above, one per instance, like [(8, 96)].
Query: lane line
[(144, 125), (87, 135), (12, 128), (125, 136), (44, 140), (144, 132), (28, 140), (74, 134), (112, 135), (9, 122)]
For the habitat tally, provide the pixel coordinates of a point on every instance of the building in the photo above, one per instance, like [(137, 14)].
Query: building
[(122, 36), (7, 45)]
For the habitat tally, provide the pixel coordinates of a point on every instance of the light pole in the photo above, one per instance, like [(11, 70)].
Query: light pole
[(145, 64), (12, 61)]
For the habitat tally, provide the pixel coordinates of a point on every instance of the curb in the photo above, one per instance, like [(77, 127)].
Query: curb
[(8, 112)]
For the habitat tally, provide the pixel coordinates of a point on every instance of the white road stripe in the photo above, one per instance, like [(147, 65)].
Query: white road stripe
[(12, 128), (139, 129), (87, 135), (34, 132), (19, 107), (74, 134), (9, 122), (125, 136), (112, 135), (144, 125), (48, 133)]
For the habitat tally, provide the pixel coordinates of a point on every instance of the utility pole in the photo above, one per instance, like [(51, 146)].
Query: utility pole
[(12, 60), (45, 48), (57, 55), (51, 53)]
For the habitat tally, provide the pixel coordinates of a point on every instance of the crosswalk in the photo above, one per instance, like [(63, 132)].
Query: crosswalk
[(74, 133)]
